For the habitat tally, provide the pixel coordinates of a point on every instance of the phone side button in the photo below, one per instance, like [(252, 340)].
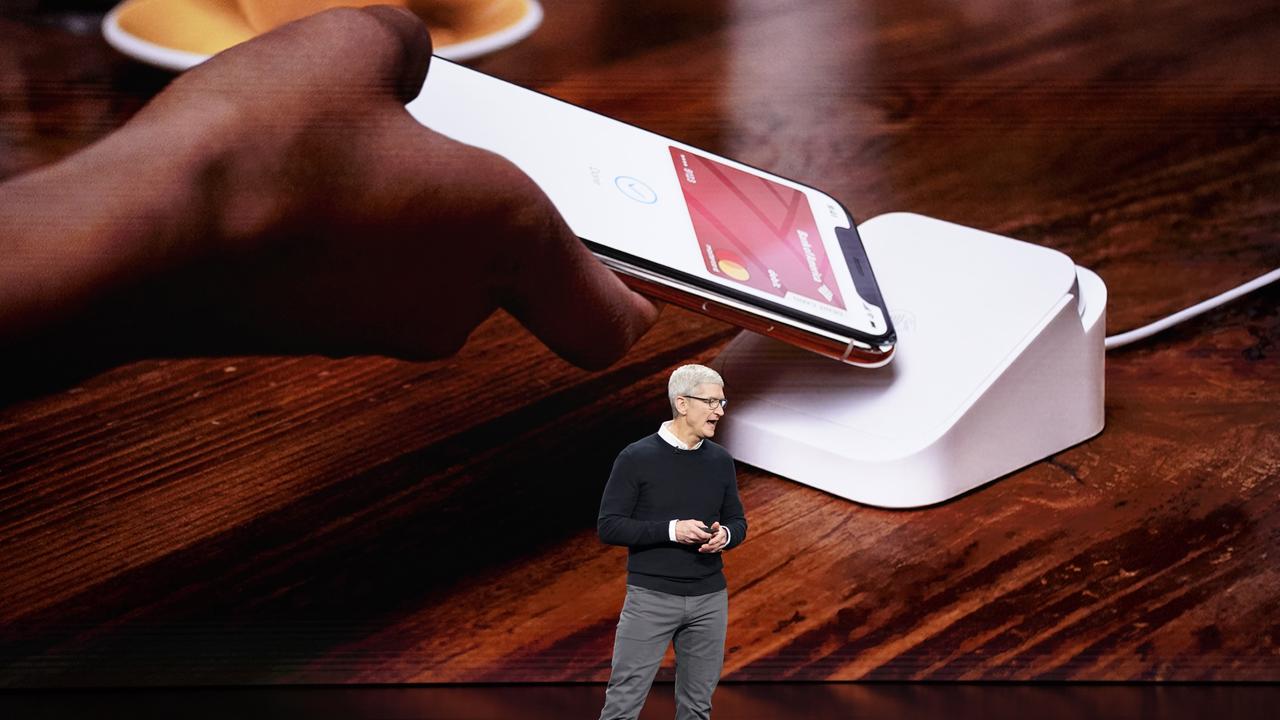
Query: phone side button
[(737, 317)]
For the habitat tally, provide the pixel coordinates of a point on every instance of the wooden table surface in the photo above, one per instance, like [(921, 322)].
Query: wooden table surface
[(304, 519)]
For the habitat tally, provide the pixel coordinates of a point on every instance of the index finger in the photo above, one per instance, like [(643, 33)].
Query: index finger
[(571, 301)]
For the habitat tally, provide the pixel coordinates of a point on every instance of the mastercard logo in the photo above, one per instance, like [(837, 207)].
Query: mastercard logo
[(732, 266)]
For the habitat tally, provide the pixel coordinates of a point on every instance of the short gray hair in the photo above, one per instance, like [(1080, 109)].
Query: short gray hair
[(687, 378)]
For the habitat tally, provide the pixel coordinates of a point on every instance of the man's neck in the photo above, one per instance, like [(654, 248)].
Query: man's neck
[(683, 433)]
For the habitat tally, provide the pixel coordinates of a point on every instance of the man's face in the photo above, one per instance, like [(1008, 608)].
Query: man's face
[(699, 416)]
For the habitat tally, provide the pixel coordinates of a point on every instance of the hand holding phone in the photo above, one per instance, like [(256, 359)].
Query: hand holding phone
[(680, 224)]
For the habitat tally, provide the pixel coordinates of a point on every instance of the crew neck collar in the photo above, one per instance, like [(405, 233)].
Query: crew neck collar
[(670, 438)]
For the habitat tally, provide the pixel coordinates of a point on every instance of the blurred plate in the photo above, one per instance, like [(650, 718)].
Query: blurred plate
[(176, 43)]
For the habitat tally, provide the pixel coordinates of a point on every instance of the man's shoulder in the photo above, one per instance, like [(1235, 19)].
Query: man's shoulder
[(717, 450), (646, 445)]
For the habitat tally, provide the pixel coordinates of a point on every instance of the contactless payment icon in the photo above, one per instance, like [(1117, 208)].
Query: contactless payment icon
[(636, 190)]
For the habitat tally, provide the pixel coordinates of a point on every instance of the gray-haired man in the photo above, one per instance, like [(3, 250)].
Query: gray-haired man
[(672, 499)]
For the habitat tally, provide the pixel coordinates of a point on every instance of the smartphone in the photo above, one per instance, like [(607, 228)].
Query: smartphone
[(677, 223)]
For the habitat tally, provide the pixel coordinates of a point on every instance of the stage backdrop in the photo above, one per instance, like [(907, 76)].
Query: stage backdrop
[(230, 520)]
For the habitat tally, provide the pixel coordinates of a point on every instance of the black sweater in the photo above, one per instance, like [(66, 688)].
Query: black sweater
[(653, 483)]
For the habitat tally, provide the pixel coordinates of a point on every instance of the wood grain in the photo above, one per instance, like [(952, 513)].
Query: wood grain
[(366, 520)]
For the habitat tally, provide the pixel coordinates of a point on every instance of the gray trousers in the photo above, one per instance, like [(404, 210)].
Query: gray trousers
[(649, 621)]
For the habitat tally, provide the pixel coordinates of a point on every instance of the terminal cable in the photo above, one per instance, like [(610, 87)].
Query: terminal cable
[(1146, 331)]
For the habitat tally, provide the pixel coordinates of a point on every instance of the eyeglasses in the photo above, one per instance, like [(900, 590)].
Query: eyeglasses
[(712, 403)]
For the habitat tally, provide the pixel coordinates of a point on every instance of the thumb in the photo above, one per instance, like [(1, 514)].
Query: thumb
[(409, 70), (330, 54)]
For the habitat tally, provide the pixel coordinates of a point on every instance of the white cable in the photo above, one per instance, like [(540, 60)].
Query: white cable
[(1146, 331)]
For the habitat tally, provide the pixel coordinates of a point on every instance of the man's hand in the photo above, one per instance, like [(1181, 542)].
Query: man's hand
[(719, 538), (279, 198), (689, 532)]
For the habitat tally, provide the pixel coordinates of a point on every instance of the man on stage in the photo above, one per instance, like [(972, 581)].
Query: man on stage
[(672, 499)]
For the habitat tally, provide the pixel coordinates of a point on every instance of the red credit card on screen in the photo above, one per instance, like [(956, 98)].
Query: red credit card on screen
[(755, 231)]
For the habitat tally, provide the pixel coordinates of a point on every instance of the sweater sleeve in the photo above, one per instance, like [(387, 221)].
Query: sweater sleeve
[(615, 523), (732, 515)]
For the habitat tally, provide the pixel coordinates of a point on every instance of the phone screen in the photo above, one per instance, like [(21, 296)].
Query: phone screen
[(636, 193)]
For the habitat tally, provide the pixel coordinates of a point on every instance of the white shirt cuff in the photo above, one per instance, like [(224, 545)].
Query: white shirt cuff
[(727, 535), (671, 530)]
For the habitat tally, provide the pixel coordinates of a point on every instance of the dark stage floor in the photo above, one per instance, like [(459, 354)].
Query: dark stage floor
[(781, 701)]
